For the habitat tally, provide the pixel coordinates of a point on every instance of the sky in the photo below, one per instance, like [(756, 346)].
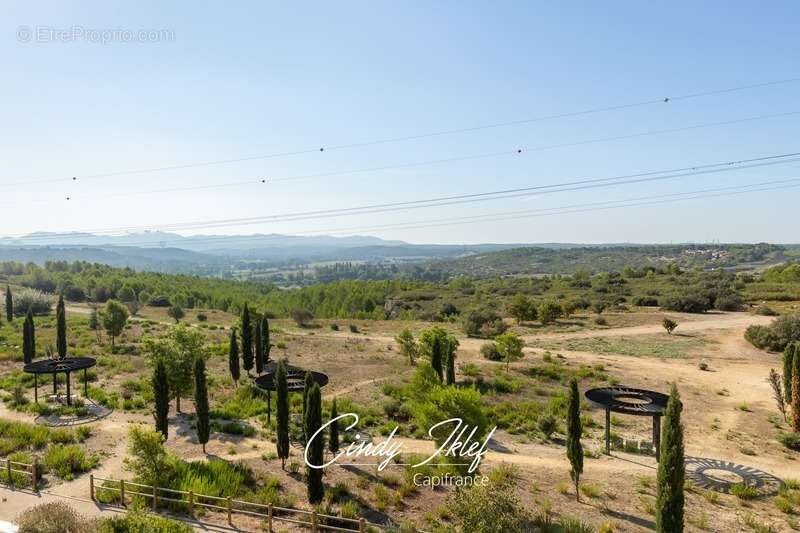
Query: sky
[(186, 83)]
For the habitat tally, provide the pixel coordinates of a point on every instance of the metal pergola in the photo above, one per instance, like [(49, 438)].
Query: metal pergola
[(295, 380), (60, 366), (630, 401)]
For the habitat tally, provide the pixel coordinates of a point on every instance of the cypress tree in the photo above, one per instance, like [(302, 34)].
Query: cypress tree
[(9, 305), (61, 329), (796, 392), (436, 357), (28, 338), (314, 455), (333, 435), (788, 361), (201, 401), (265, 337), (671, 470), (233, 358), (161, 397), (247, 340), (282, 413), (259, 349), (574, 430), (451, 365), (309, 382)]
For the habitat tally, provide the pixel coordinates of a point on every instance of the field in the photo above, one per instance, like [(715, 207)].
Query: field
[(729, 414)]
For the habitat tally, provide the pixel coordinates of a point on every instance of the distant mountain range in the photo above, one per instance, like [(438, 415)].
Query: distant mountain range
[(209, 254)]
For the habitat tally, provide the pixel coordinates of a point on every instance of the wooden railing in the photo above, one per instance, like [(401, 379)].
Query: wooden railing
[(191, 501), (9, 470)]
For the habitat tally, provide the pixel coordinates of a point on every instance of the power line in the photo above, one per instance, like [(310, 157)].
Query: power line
[(389, 140), (516, 151), (473, 197)]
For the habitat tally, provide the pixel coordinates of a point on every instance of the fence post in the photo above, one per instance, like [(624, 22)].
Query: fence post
[(122, 492), (91, 486), (155, 497), (191, 502), (35, 473), (8, 467), (269, 518), (230, 511), (361, 525), (313, 521)]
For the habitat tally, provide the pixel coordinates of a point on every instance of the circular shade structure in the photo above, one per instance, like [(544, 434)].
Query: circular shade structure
[(630, 401), (295, 380), (67, 366)]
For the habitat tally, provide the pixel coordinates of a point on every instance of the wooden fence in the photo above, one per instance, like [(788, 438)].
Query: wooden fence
[(15, 474), (191, 501)]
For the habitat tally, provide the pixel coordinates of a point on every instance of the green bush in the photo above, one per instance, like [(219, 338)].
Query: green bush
[(686, 303), (790, 440), (490, 508), (483, 323), (489, 351), (776, 336), (54, 517), (139, 521), (37, 301), (67, 460)]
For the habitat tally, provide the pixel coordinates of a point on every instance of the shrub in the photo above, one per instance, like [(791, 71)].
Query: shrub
[(483, 323), (645, 301), (547, 425), (765, 310), (302, 317), (160, 301), (353, 328), (489, 351), (54, 517), (139, 521), (686, 303), (490, 508), (37, 301), (729, 302), (743, 491), (202, 317), (67, 460), (790, 440), (776, 336)]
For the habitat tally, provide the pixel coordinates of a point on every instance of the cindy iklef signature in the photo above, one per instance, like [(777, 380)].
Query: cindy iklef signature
[(461, 443)]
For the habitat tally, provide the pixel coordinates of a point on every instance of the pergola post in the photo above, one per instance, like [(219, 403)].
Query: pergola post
[(55, 385), (85, 384), (69, 394), (608, 431), (269, 405), (36, 388), (657, 435)]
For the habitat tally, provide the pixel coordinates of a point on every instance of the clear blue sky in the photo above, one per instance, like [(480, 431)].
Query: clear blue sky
[(242, 79)]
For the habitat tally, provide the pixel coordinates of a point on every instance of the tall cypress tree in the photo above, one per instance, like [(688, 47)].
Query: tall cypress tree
[(309, 382), (265, 337), (574, 430), (282, 413), (161, 398), (436, 357), (259, 349), (61, 329), (247, 340), (9, 305), (333, 430), (451, 364), (28, 338), (796, 392), (313, 421), (201, 402), (233, 358), (788, 362), (671, 470)]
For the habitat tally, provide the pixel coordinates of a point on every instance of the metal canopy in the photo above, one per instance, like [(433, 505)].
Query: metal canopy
[(295, 381), (630, 401), (67, 366)]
